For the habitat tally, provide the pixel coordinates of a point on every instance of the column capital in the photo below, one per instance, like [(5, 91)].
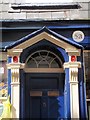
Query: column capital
[(75, 52), (15, 65), (72, 65), (15, 83)]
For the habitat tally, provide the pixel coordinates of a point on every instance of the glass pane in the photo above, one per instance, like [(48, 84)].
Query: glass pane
[(38, 59), (43, 59), (1, 108), (49, 59), (43, 66), (54, 64), (31, 63), (43, 53), (87, 72)]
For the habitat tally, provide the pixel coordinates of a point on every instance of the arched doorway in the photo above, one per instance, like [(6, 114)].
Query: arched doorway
[(43, 85)]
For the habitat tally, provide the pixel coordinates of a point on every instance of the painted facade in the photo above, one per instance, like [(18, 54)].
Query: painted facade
[(44, 59), (51, 51)]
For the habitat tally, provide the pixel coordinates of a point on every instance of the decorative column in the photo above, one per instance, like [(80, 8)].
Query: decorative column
[(73, 66), (14, 67), (15, 90)]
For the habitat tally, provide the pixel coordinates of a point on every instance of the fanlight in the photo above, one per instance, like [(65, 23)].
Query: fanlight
[(43, 59)]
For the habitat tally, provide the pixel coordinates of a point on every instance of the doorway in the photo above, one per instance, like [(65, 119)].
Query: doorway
[(42, 95), (42, 86)]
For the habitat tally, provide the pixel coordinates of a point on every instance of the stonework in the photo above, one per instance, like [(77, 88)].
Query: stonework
[(7, 12)]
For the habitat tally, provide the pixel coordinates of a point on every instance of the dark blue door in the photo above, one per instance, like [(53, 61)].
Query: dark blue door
[(44, 107), (42, 96)]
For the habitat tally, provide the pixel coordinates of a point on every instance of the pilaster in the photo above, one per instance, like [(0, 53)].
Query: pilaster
[(74, 92), (14, 67)]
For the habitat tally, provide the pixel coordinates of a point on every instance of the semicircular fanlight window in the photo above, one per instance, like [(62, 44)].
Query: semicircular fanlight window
[(43, 59)]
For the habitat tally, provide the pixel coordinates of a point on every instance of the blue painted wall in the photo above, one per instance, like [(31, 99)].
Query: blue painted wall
[(82, 90), (9, 77)]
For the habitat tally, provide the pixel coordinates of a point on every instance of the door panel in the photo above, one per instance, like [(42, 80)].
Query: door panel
[(35, 107), (42, 92), (53, 107), (43, 83), (43, 106)]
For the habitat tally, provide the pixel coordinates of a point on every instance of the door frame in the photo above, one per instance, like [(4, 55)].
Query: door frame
[(23, 76)]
